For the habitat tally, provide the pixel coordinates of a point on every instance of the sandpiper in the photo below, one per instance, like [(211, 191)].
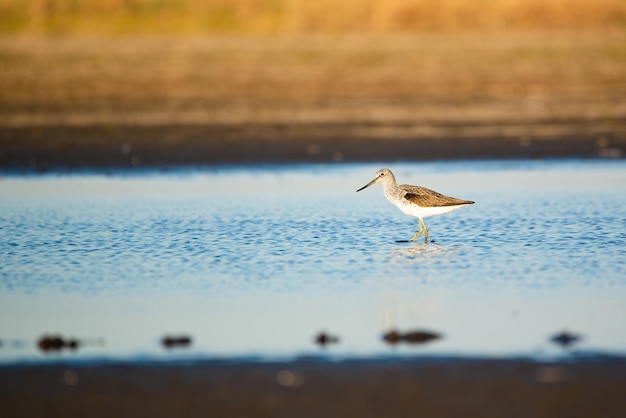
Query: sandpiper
[(415, 200)]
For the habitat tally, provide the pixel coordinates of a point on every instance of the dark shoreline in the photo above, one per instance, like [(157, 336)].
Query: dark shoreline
[(70, 147), (428, 387)]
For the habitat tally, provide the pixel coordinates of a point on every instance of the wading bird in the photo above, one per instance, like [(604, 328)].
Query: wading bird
[(415, 200)]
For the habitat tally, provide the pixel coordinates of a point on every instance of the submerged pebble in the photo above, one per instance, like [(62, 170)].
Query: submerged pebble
[(176, 341), (323, 339), (57, 343), (566, 339), (413, 337)]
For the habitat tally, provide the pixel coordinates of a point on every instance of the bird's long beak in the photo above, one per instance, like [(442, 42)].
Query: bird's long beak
[(367, 185)]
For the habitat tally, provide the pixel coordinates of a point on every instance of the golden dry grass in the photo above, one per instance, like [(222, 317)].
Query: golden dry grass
[(414, 80), (72, 99), (302, 16)]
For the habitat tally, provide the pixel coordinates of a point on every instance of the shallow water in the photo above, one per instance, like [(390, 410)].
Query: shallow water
[(255, 262)]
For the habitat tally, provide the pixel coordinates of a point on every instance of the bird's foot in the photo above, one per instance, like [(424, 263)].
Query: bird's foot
[(416, 235), (414, 238)]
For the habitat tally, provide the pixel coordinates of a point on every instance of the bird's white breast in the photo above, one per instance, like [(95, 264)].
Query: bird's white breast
[(412, 209)]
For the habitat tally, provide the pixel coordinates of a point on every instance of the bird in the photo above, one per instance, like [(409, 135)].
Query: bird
[(416, 201)]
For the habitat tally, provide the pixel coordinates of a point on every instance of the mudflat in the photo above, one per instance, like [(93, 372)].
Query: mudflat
[(364, 388), (147, 100)]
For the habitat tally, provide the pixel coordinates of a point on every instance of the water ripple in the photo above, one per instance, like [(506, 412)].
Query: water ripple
[(86, 244)]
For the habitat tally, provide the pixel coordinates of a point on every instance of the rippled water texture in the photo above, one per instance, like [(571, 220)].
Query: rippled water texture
[(257, 261)]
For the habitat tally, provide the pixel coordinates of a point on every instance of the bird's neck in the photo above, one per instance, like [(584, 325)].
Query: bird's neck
[(389, 186)]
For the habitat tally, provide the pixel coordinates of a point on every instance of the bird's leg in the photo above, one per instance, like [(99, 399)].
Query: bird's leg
[(425, 231), (418, 232)]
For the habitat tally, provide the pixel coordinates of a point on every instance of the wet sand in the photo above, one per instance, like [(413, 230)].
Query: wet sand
[(60, 147), (126, 147), (314, 388)]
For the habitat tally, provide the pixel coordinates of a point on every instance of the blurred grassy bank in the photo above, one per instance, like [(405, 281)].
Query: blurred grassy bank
[(199, 99), (480, 78), (302, 16), (195, 81)]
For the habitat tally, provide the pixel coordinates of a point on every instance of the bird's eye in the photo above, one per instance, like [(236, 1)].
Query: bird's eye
[(382, 174)]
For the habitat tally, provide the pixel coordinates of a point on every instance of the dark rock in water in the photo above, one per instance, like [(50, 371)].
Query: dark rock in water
[(392, 337), (565, 339), (72, 344), (419, 337), (413, 337), (323, 339), (57, 343), (51, 343), (178, 341)]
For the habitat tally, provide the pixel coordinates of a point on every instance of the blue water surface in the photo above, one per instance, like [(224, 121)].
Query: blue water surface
[(256, 261)]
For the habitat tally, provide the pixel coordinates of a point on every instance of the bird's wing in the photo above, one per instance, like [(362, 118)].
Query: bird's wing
[(424, 197)]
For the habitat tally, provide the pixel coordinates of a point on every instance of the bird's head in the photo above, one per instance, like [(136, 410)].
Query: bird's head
[(382, 175)]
